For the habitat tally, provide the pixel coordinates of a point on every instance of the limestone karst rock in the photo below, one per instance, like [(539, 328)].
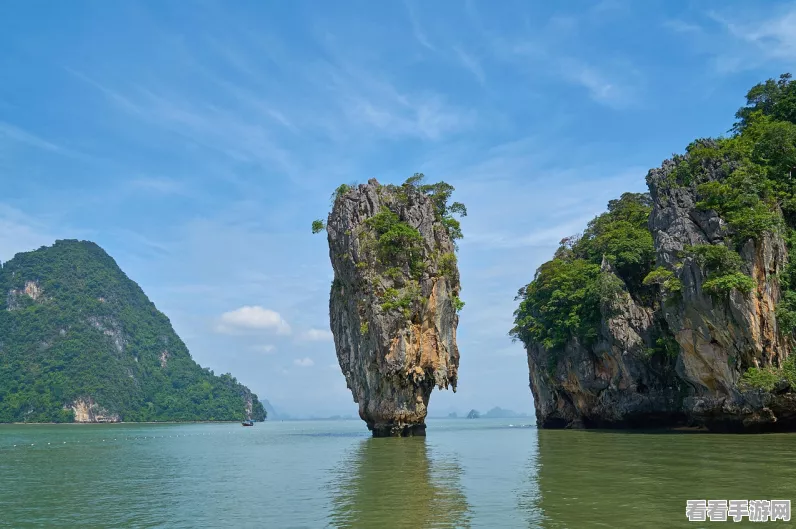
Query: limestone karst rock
[(676, 358), (395, 298)]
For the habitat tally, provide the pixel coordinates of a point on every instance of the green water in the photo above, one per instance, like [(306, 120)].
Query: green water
[(476, 473)]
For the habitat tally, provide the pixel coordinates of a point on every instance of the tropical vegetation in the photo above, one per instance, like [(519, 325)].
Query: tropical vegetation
[(74, 327)]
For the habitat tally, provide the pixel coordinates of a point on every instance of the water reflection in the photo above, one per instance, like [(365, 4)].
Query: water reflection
[(397, 483), (634, 479), (529, 496)]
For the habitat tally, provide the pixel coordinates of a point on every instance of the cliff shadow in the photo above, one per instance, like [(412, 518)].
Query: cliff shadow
[(393, 482)]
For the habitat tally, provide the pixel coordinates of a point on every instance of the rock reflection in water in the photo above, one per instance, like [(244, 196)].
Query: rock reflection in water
[(397, 482), (635, 479)]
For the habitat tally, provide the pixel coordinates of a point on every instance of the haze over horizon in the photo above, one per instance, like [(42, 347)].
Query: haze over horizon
[(196, 146)]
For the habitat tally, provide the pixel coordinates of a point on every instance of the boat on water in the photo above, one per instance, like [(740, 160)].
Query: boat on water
[(248, 423)]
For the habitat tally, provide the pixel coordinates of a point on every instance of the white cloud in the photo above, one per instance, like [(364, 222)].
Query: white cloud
[(317, 335), (252, 318), (304, 362)]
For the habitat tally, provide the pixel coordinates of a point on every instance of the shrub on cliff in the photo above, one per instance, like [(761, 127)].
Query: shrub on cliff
[(396, 247)]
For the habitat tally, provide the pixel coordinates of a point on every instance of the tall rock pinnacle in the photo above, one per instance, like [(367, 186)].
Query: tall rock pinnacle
[(395, 298)]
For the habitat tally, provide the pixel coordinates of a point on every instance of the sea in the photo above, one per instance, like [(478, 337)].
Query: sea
[(489, 473)]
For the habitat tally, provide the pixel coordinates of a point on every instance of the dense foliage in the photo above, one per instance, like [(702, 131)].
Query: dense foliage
[(92, 333), (564, 300), (394, 249)]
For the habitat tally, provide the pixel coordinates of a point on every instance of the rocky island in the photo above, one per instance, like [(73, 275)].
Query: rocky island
[(678, 307), (394, 300), (81, 342)]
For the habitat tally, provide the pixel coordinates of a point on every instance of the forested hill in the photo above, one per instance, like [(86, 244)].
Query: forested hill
[(80, 341)]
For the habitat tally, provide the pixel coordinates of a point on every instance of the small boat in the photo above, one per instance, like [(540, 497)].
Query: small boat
[(248, 423)]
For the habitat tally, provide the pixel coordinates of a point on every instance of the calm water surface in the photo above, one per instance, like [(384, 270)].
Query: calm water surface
[(476, 473)]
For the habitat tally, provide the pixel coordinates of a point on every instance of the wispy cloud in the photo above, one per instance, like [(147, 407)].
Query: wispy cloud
[(367, 99), (160, 186), (470, 63), (11, 134), (607, 89), (417, 31), (554, 51), (681, 26), (741, 38), (20, 232), (773, 37)]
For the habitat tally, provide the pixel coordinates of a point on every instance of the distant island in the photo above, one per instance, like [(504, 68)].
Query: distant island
[(495, 413), (81, 342), (500, 413)]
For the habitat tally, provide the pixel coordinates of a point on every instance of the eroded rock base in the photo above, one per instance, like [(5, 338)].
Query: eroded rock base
[(398, 430)]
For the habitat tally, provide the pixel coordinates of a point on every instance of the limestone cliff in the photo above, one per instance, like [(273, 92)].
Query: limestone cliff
[(676, 356), (394, 300), (678, 306)]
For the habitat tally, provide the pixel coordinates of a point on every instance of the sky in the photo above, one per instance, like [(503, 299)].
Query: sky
[(196, 142)]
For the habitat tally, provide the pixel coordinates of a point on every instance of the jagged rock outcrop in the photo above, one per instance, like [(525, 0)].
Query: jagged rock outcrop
[(611, 383), (719, 336), (393, 303), (710, 339)]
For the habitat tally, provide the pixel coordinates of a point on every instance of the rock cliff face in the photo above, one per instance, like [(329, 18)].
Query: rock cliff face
[(710, 339), (86, 410), (393, 303)]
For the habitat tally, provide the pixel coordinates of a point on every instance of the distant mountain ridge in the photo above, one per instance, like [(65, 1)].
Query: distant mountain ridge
[(500, 413), (80, 341)]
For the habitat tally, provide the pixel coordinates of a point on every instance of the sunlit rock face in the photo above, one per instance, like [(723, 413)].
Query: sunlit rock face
[(392, 304)]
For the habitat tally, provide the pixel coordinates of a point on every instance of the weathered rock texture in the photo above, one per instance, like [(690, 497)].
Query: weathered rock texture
[(715, 339), (392, 356), (86, 410)]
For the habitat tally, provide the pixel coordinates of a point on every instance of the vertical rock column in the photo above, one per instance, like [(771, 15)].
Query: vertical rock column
[(393, 303)]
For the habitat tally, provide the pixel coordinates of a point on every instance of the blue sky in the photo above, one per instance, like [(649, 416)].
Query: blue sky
[(196, 142)]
